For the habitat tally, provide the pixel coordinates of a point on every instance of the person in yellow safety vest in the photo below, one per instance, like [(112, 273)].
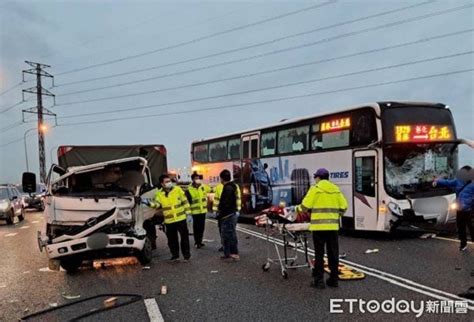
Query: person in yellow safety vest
[(197, 196), (215, 205), (172, 200), (327, 204)]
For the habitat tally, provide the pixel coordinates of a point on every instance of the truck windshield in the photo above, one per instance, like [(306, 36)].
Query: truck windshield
[(411, 168)]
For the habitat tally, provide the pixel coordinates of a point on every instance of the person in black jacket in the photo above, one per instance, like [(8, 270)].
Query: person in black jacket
[(227, 216)]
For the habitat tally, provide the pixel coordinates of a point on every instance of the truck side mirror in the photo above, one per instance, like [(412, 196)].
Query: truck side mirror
[(28, 182)]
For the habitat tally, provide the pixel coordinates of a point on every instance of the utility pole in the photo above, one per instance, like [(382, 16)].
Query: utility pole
[(38, 70)]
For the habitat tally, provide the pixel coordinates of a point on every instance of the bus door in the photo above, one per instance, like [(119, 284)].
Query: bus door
[(365, 192), (250, 165)]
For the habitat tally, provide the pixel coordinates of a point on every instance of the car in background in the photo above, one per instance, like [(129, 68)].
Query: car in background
[(34, 200), (11, 204)]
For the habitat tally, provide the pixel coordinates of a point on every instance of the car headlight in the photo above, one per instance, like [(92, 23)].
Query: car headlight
[(4, 205), (394, 208)]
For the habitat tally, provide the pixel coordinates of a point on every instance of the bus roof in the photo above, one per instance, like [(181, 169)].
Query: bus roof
[(376, 106)]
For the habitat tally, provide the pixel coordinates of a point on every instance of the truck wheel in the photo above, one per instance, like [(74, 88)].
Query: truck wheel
[(11, 218), (300, 183), (71, 264), (144, 256)]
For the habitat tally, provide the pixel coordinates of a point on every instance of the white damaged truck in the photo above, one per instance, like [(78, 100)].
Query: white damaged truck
[(93, 203)]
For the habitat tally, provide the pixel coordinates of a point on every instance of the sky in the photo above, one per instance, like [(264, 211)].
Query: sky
[(188, 50)]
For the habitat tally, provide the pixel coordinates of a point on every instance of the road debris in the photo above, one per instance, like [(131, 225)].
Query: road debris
[(35, 221), (70, 296), (26, 310), (110, 302), (164, 290), (427, 236), (371, 251), (45, 269), (208, 240), (3, 285), (146, 268), (11, 234), (214, 272), (25, 227), (53, 304), (26, 272), (198, 300)]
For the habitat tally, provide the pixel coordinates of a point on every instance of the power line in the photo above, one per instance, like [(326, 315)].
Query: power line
[(246, 47), (195, 40), (279, 51), (11, 88), (248, 75), (11, 126), (200, 22), (222, 107), (6, 109), (115, 111)]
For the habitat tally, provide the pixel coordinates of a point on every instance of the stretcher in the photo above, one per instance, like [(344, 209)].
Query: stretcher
[(280, 230), (283, 227)]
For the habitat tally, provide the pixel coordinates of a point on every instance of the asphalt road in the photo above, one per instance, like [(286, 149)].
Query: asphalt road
[(207, 289)]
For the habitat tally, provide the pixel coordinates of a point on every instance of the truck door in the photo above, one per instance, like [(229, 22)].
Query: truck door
[(365, 190)]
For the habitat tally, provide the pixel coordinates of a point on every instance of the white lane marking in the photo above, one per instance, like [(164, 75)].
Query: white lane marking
[(25, 227), (451, 239), (393, 279), (153, 311), (11, 234)]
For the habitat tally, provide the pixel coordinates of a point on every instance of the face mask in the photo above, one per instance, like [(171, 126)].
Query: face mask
[(197, 181), (168, 185)]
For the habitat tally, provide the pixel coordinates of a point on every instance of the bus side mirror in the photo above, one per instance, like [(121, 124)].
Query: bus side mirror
[(28, 182)]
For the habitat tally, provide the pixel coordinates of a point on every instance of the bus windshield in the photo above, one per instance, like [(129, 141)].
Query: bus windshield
[(411, 168)]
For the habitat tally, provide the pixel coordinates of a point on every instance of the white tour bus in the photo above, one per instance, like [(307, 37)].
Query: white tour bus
[(384, 157)]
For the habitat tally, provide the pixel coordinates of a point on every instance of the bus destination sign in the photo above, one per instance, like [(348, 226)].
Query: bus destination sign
[(422, 133), (339, 124)]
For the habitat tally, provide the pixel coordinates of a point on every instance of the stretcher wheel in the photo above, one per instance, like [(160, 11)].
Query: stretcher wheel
[(284, 274), (266, 267)]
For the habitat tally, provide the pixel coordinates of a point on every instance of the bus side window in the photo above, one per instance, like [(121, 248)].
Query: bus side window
[(365, 176)]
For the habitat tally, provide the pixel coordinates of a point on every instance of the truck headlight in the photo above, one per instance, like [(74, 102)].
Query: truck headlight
[(4, 205)]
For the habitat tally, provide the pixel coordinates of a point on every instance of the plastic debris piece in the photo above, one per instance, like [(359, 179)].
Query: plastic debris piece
[(173, 311), (164, 290), (26, 310), (45, 269), (111, 301), (343, 255), (146, 267), (214, 272), (53, 304), (11, 234), (71, 297), (208, 240), (198, 300), (371, 251), (428, 236)]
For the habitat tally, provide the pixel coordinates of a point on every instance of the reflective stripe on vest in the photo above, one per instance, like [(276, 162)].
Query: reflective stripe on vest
[(218, 193), (198, 199), (174, 205)]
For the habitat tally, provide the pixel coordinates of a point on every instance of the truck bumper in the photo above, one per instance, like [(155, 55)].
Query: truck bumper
[(93, 243)]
